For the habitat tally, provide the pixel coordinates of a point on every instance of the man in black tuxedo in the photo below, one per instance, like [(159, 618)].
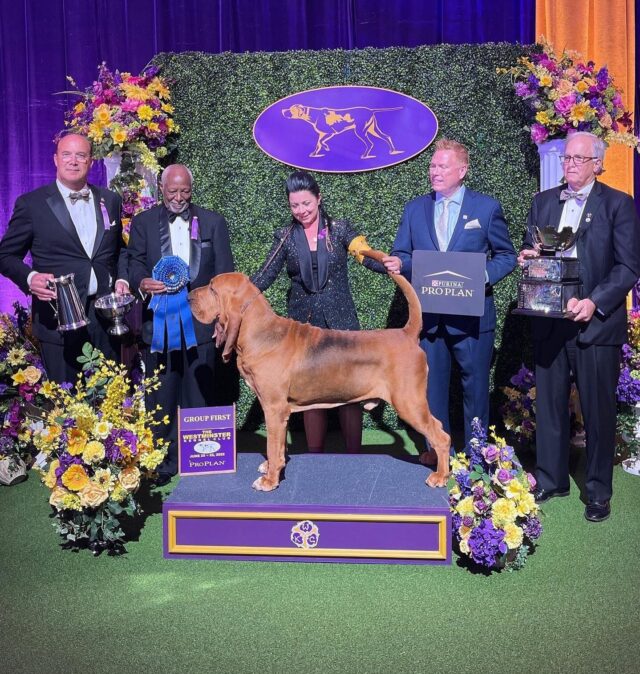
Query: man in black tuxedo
[(201, 238), (68, 227), (588, 344)]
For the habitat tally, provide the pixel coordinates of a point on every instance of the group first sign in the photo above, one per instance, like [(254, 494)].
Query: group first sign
[(207, 440)]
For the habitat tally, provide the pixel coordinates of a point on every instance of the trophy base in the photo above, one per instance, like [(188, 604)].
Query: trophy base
[(544, 314), (118, 330), (72, 326)]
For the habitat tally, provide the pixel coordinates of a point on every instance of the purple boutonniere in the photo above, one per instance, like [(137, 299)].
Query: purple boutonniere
[(195, 228), (105, 215), (322, 233)]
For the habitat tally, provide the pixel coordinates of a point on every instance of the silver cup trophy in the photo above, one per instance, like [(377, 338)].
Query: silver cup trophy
[(550, 280), (68, 307), (115, 307)]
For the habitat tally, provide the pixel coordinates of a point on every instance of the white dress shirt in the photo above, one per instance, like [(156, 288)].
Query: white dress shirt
[(572, 214), (181, 238)]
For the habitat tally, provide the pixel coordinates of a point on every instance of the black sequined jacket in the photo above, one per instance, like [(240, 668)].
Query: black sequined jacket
[(327, 302)]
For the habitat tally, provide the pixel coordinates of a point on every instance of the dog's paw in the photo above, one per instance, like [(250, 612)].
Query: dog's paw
[(437, 479), (262, 484), (263, 467)]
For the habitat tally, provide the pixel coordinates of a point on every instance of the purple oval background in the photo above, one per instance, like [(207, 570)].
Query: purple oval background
[(293, 138)]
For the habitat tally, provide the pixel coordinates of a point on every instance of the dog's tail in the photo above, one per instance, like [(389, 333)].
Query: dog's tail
[(413, 326)]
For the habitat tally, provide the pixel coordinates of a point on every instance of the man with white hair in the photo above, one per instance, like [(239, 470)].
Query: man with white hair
[(200, 238), (587, 345)]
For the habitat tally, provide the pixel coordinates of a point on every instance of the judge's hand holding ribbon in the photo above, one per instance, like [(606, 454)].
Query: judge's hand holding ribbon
[(151, 286)]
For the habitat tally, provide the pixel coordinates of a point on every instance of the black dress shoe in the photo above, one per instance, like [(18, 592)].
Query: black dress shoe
[(543, 495), (597, 511)]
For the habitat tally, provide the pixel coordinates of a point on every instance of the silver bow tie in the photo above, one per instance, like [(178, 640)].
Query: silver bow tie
[(82, 194), (565, 195)]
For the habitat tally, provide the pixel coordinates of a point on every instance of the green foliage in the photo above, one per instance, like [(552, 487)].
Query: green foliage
[(218, 97)]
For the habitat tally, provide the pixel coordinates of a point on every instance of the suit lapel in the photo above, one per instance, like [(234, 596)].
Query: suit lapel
[(99, 220), (429, 206), (304, 258), (466, 208), (56, 203), (163, 230), (195, 245), (323, 261), (594, 201)]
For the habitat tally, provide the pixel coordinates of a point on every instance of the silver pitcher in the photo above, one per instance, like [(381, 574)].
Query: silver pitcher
[(69, 310)]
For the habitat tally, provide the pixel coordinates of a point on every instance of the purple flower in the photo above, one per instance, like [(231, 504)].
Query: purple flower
[(563, 105), (532, 528), (486, 543), (524, 377), (602, 79), (490, 453), (503, 475), (533, 81), (522, 90), (538, 133), (467, 521)]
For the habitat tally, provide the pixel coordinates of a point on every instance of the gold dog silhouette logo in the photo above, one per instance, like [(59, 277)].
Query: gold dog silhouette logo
[(345, 129), (329, 122)]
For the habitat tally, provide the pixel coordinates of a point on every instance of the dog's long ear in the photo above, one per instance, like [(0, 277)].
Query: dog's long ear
[(232, 329)]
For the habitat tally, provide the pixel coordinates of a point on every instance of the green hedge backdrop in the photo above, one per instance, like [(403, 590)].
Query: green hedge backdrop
[(218, 97)]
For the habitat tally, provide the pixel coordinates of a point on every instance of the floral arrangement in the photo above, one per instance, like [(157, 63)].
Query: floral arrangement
[(96, 445), (519, 410), (21, 379), (130, 115), (628, 393), (566, 94), (494, 513)]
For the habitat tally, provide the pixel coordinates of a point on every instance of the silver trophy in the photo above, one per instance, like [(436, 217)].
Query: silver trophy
[(115, 307), (550, 280), (68, 308)]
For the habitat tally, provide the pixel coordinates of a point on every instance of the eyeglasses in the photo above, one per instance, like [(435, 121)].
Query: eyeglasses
[(80, 157), (578, 159)]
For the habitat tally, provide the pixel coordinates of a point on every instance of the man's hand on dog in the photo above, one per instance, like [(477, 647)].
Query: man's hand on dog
[(392, 264)]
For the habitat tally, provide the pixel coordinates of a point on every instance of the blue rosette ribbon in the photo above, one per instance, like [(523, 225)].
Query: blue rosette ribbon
[(171, 311)]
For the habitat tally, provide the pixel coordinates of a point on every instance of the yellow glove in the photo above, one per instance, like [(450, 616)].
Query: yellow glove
[(357, 246)]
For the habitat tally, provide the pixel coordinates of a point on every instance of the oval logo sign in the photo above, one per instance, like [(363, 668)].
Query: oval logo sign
[(207, 447), (345, 129)]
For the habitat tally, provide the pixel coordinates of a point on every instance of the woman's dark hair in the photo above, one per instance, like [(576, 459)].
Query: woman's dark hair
[(301, 181)]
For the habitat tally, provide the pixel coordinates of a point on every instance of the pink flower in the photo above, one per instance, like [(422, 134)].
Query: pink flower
[(131, 105), (563, 105), (538, 133)]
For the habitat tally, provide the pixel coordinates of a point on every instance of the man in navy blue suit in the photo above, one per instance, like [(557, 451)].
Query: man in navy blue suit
[(454, 218)]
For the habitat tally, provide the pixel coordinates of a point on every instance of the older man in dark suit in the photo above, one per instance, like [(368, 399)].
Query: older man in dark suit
[(68, 227), (588, 345), (201, 239), (454, 218)]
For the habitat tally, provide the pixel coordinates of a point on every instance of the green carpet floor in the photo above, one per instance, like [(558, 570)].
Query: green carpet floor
[(575, 607)]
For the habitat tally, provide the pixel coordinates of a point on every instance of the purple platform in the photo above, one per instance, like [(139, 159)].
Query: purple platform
[(329, 508)]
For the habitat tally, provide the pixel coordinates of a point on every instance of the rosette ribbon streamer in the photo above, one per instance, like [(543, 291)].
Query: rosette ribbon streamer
[(171, 311)]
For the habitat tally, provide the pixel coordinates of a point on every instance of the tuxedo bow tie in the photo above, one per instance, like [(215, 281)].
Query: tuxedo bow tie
[(82, 194), (565, 195), (184, 215)]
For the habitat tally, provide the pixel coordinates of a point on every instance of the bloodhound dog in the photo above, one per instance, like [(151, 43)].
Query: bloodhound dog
[(292, 366)]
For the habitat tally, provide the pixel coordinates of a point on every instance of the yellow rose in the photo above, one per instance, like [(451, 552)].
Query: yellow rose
[(526, 504), (512, 536), (32, 374), (93, 452), (93, 495), (503, 512), (57, 497), (77, 441), (130, 478), (50, 479), (75, 477)]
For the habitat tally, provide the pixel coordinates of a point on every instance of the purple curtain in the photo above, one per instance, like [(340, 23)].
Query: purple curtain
[(43, 41)]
